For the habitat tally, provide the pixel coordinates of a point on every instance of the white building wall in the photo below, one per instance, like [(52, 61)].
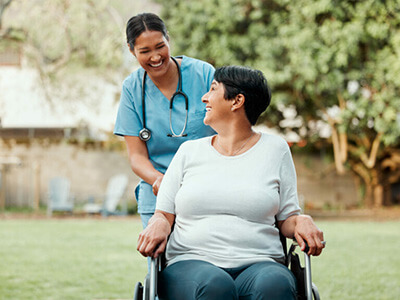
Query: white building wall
[(23, 102)]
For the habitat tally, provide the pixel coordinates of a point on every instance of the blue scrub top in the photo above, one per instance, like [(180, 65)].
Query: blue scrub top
[(196, 81)]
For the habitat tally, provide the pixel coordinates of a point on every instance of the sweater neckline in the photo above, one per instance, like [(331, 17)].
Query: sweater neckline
[(236, 156)]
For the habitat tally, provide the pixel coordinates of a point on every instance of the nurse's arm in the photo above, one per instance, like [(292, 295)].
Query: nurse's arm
[(140, 162)]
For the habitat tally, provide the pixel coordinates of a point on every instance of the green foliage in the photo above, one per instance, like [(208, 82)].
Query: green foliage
[(312, 52)]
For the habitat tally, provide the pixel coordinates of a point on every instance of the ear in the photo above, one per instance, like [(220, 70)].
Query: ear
[(131, 50), (238, 102)]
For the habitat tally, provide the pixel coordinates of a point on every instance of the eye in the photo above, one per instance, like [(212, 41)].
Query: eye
[(161, 46)]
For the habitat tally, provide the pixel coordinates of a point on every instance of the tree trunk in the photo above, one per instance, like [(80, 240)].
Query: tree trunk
[(378, 195), (368, 196), (3, 6), (373, 181), (339, 149)]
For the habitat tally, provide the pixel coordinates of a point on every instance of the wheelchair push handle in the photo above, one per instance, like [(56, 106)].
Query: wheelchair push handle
[(307, 248), (296, 244)]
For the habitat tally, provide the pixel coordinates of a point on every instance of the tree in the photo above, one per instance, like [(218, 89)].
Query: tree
[(66, 41), (335, 62)]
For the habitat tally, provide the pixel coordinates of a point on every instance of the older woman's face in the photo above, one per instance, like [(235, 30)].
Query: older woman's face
[(217, 107), (152, 52)]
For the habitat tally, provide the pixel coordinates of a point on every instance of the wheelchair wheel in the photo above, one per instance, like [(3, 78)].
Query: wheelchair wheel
[(138, 295), (146, 288), (315, 292)]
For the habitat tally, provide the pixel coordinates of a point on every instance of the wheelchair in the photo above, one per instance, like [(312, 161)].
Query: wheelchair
[(306, 289)]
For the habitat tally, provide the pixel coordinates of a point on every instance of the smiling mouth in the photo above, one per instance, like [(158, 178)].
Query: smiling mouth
[(208, 108), (156, 65)]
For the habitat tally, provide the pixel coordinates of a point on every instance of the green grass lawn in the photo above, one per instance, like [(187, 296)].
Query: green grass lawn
[(69, 259), (361, 261), (97, 259)]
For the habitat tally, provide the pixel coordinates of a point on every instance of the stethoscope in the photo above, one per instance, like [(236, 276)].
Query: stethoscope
[(145, 133)]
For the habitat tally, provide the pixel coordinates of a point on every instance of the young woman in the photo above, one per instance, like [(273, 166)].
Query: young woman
[(153, 118), (224, 194)]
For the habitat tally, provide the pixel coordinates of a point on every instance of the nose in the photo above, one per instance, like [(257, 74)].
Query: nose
[(204, 98), (155, 57)]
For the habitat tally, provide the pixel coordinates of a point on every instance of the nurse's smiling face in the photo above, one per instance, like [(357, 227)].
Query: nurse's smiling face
[(152, 52)]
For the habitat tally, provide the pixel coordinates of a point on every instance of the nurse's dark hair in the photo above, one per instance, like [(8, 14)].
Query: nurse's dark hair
[(250, 83), (142, 22)]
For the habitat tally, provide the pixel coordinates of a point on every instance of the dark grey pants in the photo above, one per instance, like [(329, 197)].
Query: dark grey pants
[(195, 279)]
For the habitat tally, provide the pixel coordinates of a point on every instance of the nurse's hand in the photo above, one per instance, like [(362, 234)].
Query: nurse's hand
[(157, 183)]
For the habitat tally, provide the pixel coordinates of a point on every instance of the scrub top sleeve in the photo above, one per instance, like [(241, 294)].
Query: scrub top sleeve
[(128, 121), (171, 183), (289, 204)]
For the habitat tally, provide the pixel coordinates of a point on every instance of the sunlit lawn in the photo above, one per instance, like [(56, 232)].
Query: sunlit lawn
[(69, 259), (361, 261), (96, 259)]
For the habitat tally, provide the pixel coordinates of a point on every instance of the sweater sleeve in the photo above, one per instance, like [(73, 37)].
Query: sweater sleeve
[(289, 204)]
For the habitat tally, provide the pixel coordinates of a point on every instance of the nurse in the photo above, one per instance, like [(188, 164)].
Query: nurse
[(145, 106)]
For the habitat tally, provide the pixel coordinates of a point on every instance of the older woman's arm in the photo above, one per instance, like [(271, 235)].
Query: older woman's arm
[(153, 239), (303, 228)]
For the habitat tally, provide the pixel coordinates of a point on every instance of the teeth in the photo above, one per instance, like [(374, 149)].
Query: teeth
[(208, 108), (157, 65)]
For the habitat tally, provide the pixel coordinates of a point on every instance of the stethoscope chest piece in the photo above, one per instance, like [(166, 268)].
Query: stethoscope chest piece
[(145, 134)]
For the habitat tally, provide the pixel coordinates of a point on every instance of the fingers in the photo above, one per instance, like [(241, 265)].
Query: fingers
[(146, 245), (160, 249), (142, 245), (155, 188), (320, 244), (156, 184), (307, 231), (155, 235), (300, 241), (315, 243)]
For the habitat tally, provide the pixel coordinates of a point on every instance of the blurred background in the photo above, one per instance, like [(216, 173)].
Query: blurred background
[(333, 66), (334, 69)]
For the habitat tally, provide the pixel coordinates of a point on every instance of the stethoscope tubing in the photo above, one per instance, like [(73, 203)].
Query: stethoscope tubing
[(145, 133)]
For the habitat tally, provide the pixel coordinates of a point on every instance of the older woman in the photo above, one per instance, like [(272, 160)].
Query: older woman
[(224, 193)]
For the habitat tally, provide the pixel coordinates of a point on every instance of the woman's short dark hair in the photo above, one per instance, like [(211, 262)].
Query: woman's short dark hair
[(142, 22), (250, 83)]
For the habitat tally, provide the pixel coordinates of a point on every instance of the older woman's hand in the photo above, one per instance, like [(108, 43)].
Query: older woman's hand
[(306, 230), (153, 239)]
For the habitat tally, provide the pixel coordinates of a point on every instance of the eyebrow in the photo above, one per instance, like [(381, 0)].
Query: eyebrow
[(145, 48)]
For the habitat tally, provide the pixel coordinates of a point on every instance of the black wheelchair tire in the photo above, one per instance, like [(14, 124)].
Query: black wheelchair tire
[(315, 292), (138, 294)]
